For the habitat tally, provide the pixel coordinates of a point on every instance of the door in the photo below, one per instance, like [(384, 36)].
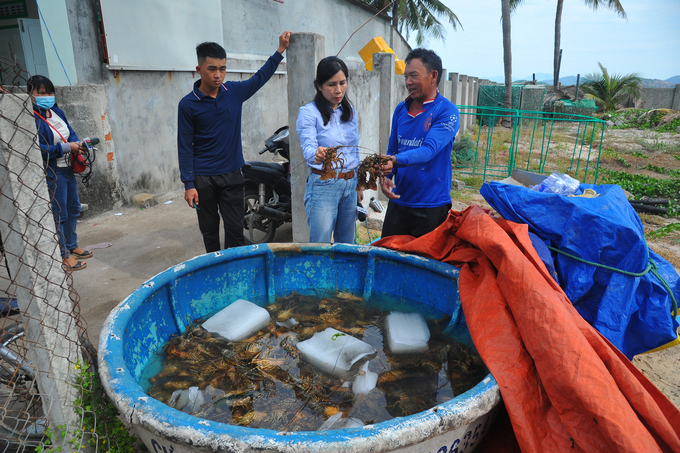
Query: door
[(10, 42), (34, 49)]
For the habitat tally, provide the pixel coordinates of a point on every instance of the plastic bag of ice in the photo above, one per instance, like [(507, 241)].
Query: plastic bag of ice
[(406, 333), (334, 352), (364, 381), (189, 400), (337, 422), (238, 320)]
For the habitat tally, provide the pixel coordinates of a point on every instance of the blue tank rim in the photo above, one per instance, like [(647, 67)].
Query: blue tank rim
[(155, 416)]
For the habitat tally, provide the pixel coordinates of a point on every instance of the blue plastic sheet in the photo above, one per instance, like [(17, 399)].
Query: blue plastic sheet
[(634, 313)]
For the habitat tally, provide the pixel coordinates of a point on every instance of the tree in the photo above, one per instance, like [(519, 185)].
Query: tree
[(507, 52), (610, 90), (421, 17), (507, 7), (614, 5)]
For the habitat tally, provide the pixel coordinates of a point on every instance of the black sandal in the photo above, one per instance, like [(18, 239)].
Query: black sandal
[(81, 256), (76, 267)]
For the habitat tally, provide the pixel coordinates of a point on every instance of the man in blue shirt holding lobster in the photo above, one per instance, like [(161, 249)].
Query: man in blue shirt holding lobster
[(209, 143), (424, 127)]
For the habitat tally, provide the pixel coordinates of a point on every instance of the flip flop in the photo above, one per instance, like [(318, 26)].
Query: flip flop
[(78, 266), (81, 256)]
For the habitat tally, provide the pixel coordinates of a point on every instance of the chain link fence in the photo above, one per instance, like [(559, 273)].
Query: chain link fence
[(50, 396)]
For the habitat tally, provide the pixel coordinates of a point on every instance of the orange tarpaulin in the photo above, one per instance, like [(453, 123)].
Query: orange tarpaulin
[(565, 387)]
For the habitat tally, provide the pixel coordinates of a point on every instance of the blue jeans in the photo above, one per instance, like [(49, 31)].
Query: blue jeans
[(331, 208), (61, 183)]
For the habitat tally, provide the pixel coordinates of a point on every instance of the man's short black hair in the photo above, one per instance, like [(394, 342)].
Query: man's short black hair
[(211, 50), (430, 60)]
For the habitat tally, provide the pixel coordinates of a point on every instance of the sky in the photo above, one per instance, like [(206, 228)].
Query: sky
[(648, 42)]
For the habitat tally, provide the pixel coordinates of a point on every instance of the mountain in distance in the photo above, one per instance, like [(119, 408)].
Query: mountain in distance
[(656, 83), (541, 77), (547, 79)]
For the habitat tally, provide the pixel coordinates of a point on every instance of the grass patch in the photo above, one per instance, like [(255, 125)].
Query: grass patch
[(646, 186), (642, 119), (364, 236), (665, 230), (472, 181)]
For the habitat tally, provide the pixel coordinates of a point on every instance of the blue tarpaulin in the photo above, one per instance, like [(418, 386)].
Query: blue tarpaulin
[(633, 312)]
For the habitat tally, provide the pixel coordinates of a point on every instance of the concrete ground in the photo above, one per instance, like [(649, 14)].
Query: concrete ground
[(142, 244)]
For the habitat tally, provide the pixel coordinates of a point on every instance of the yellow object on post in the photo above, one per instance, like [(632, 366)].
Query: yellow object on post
[(379, 45)]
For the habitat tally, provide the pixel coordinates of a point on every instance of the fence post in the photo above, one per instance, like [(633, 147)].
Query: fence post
[(475, 99), (383, 65), (34, 259), (444, 85), (464, 100), (472, 81), (454, 77), (303, 54)]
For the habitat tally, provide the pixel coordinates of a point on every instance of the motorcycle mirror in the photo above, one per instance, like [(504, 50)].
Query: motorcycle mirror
[(281, 135)]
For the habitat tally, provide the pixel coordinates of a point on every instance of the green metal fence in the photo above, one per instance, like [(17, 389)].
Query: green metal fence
[(540, 142)]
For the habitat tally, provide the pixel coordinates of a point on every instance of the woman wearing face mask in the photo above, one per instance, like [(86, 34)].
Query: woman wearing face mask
[(57, 142), (330, 120)]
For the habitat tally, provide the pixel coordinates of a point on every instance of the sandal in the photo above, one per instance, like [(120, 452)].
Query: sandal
[(76, 267), (81, 256)]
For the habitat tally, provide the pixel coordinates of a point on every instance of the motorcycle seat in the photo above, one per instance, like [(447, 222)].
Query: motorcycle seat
[(266, 166)]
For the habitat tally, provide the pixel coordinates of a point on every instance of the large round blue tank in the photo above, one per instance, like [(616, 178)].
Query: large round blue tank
[(165, 305)]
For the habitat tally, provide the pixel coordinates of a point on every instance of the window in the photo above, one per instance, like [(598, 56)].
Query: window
[(9, 10)]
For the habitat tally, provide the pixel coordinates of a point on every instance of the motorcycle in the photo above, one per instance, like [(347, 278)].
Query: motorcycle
[(267, 191)]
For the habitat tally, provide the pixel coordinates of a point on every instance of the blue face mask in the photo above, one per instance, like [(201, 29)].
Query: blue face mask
[(44, 102)]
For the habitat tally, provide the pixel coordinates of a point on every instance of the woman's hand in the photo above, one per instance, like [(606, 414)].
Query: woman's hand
[(75, 147), (320, 155)]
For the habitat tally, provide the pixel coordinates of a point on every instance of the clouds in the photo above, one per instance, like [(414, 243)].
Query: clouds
[(648, 42)]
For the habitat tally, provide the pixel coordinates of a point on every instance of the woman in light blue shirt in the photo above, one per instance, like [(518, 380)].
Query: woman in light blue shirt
[(330, 120)]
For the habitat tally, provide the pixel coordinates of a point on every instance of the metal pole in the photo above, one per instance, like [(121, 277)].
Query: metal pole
[(578, 80)]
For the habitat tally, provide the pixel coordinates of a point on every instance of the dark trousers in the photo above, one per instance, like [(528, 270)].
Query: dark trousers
[(220, 195), (416, 222)]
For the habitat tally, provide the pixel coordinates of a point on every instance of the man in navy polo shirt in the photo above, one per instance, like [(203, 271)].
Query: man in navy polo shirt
[(209, 143), (424, 127)]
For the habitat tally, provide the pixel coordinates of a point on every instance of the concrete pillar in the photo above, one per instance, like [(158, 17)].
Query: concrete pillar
[(383, 64), (475, 94), (471, 101), (41, 286), (675, 105), (454, 78), (464, 91), (303, 54), (475, 99), (445, 85)]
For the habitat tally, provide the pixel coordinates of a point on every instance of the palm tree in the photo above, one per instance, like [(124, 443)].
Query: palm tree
[(421, 17), (507, 7), (507, 52), (610, 90), (614, 5)]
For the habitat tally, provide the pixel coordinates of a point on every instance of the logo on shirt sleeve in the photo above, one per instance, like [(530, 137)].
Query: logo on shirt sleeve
[(428, 123), (451, 124)]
